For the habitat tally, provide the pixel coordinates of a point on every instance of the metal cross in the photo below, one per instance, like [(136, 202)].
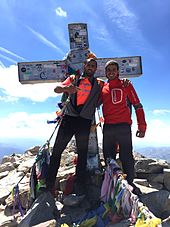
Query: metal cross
[(59, 70)]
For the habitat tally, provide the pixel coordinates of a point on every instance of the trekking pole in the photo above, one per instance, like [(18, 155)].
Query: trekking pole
[(59, 118), (19, 181), (58, 121)]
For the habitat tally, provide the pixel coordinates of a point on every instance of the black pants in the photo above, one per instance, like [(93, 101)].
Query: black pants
[(121, 134), (70, 126)]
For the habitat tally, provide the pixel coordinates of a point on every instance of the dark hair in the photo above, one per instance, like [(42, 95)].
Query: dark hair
[(112, 62), (89, 60)]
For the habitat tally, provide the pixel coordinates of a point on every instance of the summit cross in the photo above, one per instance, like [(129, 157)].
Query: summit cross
[(59, 70)]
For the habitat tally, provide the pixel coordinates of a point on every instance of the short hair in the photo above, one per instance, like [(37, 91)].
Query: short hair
[(89, 60), (112, 62)]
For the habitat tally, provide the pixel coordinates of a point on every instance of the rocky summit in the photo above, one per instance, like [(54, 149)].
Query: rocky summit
[(64, 208)]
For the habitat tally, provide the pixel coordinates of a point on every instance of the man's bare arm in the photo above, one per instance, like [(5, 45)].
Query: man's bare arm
[(66, 88)]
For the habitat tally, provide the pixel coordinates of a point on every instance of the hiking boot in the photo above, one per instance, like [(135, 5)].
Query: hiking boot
[(73, 200)]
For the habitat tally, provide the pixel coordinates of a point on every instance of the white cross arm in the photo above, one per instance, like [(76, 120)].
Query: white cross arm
[(55, 71)]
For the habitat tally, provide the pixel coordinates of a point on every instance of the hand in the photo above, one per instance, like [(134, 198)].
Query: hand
[(126, 82), (71, 89), (140, 134)]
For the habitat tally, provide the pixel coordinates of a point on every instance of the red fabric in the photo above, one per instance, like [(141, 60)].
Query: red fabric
[(115, 109), (141, 120)]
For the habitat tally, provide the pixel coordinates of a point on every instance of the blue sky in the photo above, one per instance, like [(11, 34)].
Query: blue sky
[(36, 30)]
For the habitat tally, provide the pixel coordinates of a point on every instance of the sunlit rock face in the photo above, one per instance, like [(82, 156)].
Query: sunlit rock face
[(152, 176)]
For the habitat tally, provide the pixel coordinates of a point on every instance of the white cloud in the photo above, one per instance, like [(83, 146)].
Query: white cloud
[(60, 12), (126, 21), (11, 53), (13, 90), (119, 13), (2, 65), (7, 58), (157, 134), (161, 111), (45, 40), (7, 98), (23, 125)]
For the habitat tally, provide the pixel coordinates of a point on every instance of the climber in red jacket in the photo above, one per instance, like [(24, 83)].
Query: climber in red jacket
[(116, 96)]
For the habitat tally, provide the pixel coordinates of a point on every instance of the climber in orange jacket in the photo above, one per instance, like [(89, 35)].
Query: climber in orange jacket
[(116, 94)]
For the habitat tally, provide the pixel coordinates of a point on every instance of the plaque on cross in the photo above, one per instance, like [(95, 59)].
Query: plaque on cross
[(59, 70)]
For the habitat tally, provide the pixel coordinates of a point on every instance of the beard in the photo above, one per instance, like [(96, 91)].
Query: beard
[(89, 73)]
